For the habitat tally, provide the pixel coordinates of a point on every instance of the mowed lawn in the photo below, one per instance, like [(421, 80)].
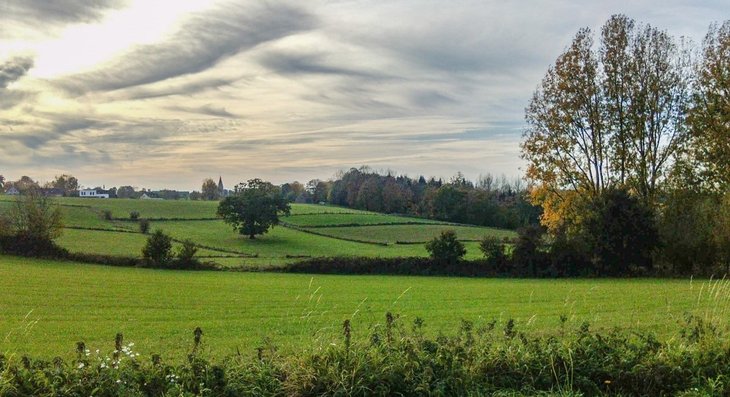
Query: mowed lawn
[(46, 307)]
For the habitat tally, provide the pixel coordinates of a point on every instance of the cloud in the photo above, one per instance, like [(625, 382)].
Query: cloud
[(39, 18), (13, 69), (208, 110), (313, 63), (187, 87), (57, 11), (201, 42)]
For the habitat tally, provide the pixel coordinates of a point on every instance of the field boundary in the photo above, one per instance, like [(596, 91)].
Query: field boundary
[(379, 224), (305, 230)]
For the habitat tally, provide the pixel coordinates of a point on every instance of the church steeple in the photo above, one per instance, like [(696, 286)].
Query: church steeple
[(221, 190)]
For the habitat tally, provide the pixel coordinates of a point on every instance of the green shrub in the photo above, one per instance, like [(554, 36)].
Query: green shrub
[(446, 248), (134, 215), (107, 215), (493, 249), (144, 226), (186, 256), (158, 250)]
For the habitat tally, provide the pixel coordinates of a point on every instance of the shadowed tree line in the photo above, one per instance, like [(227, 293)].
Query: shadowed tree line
[(490, 201)]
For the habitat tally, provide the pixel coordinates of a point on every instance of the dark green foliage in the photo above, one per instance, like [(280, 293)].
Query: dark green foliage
[(253, 208), (493, 249), (395, 358), (446, 248), (496, 203), (158, 250), (686, 230), (107, 215), (622, 233), (134, 215), (528, 254), (144, 226), (185, 258)]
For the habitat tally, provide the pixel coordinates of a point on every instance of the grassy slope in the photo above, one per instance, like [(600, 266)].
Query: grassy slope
[(47, 306), (272, 249), (281, 241)]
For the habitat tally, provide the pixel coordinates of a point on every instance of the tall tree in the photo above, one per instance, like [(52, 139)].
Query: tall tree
[(709, 118), (607, 118), (65, 182), (126, 192), (209, 190)]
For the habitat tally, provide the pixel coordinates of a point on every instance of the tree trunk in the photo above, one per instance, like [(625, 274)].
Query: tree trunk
[(252, 236)]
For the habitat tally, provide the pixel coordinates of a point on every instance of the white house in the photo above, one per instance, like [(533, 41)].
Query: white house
[(12, 191), (92, 193)]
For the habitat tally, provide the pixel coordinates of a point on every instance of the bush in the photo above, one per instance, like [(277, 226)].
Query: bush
[(144, 226), (186, 256), (528, 255), (134, 215), (158, 250), (446, 248), (35, 217), (622, 233), (493, 250), (107, 215)]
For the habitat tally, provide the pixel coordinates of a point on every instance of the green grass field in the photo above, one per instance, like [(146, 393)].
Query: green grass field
[(277, 247), (46, 306)]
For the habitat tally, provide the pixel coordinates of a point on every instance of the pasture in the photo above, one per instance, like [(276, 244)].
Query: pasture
[(47, 306), (310, 231)]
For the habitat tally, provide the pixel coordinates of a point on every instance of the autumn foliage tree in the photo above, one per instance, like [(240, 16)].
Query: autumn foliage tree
[(709, 118), (607, 116)]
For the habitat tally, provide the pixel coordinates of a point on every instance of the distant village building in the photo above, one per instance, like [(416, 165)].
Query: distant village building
[(93, 193), (12, 191), (222, 192), (150, 196)]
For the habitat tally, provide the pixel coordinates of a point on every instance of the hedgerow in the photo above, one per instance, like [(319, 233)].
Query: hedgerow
[(395, 358)]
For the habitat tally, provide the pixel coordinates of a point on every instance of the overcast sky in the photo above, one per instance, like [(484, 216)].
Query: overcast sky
[(162, 94)]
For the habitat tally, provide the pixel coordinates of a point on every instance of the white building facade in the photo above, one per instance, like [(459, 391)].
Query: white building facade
[(92, 193)]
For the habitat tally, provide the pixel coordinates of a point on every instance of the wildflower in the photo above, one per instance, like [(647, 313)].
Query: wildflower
[(81, 365)]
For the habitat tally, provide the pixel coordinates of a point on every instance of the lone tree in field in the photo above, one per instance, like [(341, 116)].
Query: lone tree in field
[(253, 208), (158, 249)]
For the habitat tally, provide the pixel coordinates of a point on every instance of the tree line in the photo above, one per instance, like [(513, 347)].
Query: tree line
[(490, 201)]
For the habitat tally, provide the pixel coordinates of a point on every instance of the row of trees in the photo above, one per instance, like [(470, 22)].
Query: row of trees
[(628, 146), (489, 202)]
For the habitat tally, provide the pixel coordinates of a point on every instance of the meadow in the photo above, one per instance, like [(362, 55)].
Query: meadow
[(47, 306), (104, 226)]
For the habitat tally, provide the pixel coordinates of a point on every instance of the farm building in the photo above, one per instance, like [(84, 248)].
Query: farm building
[(92, 193), (12, 191)]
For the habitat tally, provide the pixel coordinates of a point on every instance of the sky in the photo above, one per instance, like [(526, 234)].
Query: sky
[(165, 93)]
